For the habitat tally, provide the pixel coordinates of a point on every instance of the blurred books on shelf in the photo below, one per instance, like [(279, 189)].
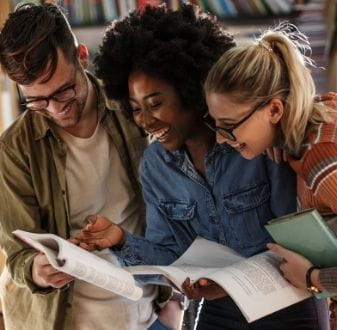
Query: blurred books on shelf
[(93, 12), (244, 18), (308, 16), (311, 22), (248, 8)]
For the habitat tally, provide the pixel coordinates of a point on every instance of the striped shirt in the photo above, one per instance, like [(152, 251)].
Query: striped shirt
[(317, 170), (317, 180)]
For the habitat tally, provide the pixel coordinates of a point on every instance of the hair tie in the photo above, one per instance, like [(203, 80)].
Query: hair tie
[(265, 45)]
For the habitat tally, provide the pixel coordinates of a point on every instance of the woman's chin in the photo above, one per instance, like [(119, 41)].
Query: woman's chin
[(249, 155)]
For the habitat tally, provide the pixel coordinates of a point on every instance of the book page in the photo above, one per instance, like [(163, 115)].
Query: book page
[(257, 286), (84, 265), (201, 259), (205, 253), (176, 274)]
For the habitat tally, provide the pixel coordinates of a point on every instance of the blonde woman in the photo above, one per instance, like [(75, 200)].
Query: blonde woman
[(261, 94)]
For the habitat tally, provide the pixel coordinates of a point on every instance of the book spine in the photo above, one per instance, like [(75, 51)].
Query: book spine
[(216, 8), (231, 7), (262, 10)]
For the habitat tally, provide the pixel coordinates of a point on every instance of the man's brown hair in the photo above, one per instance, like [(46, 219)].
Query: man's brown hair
[(29, 41)]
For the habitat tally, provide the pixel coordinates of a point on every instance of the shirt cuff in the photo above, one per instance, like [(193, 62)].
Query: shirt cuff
[(28, 278), (126, 253), (328, 279)]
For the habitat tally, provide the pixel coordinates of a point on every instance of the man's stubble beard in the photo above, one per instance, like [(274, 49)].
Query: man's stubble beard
[(74, 120)]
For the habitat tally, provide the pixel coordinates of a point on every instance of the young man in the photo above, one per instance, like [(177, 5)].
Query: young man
[(68, 155)]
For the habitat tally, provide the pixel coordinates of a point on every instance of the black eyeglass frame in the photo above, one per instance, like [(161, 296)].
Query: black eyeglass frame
[(228, 132), (48, 98)]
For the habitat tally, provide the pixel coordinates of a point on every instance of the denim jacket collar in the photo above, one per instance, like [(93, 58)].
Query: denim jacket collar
[(178, 156)]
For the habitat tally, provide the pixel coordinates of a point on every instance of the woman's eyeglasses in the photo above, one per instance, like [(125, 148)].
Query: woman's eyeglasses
[(228, 132)]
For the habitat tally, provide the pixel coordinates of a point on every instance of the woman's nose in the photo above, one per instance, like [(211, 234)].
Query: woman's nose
[(147, 119), (222, 139)]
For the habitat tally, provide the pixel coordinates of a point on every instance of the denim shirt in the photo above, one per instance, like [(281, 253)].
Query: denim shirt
[(229, 206)]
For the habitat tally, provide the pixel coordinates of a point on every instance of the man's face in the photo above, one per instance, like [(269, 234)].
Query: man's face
[(64, 95)]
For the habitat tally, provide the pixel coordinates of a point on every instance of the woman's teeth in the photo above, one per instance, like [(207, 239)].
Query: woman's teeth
[(161, 134)]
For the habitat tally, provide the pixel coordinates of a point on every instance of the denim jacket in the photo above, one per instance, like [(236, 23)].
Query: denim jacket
[(229, 206)]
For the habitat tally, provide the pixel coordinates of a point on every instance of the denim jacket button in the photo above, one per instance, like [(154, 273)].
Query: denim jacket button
[(214, 219)]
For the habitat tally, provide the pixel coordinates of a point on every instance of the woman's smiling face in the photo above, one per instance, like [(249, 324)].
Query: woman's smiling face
[(252, 124), (158, 109)]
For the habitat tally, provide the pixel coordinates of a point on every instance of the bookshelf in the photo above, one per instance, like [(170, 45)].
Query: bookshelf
[(98, 12), (89, 17), (312, 23), (309, 17)]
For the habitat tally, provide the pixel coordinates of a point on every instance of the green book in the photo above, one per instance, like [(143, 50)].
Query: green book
[(308, 234)]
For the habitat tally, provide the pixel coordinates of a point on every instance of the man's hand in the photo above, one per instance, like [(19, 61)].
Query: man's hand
[(100, 233), (44, 275), (204, 288)]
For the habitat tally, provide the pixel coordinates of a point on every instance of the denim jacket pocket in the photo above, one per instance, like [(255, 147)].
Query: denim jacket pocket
[(247, 199), (177, 209), (248, 210)]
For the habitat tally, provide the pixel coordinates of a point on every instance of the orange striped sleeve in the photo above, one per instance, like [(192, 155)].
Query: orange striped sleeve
[(320, 173), (327, 192)]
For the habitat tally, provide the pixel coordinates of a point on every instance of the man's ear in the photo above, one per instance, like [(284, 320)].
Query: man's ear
[(83, 55), (276, 109)]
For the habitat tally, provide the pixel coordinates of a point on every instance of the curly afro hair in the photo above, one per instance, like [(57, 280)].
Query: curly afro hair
[(179, 47)]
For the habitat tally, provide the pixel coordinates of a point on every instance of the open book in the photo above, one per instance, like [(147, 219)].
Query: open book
[(73, 260), (255, 284)]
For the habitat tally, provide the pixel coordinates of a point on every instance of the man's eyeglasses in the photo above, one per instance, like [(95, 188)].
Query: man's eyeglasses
[(228, 132), (64, 95)]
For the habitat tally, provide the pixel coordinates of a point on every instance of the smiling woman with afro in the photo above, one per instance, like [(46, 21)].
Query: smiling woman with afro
[(176, 46)]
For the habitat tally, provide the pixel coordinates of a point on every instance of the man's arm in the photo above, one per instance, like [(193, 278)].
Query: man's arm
[(19, 210)]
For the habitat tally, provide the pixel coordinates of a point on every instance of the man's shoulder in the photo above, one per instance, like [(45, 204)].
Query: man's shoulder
[(22, 136), (20, 129)]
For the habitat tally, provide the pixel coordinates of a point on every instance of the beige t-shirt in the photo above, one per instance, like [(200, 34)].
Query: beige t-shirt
[(98, 184)]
